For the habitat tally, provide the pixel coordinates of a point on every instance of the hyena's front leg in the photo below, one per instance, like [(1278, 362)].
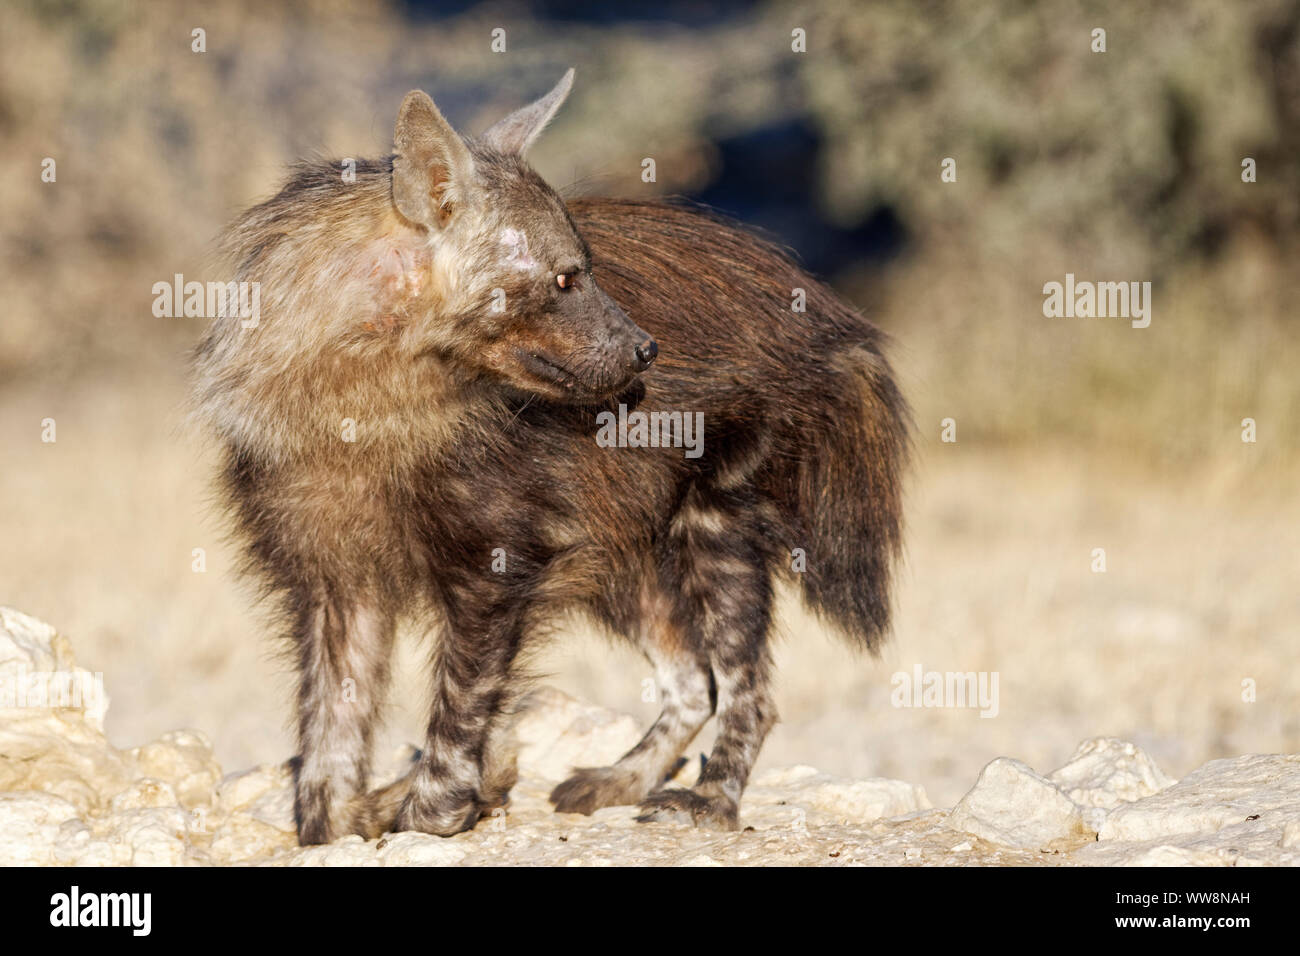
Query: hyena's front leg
[(726, 582), (344, 650), (376, 812), (682, 675), (459, 776)]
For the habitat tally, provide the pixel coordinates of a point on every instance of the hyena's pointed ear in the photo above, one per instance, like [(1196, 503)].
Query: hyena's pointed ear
[(520, 129), (432, 169)]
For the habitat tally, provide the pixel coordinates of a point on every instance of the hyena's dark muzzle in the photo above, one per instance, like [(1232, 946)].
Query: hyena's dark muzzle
[(626, 343), (590, 349)]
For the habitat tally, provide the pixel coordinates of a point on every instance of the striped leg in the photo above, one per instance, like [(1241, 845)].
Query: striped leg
[(449, 788), (344, 653), (727, 587), (376, 812), (683, 678)]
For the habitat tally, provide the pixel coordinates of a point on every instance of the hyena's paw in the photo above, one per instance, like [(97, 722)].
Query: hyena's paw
[(444, 818), (494, 791), (706, 811), (591, 788)]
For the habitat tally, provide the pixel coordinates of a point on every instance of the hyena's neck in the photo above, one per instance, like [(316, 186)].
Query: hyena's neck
[(348, 411), (341, 364)]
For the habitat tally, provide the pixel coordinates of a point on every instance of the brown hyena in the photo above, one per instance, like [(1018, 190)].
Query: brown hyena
[(411, 432)]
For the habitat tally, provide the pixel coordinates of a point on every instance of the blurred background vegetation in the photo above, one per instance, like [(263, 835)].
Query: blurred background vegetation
[(1124, 165)]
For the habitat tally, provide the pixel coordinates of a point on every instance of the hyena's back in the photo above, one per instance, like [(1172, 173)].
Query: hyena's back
[(798, 402)]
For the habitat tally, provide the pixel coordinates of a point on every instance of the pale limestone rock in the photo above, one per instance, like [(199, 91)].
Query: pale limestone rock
[(1166, 855), (1237, 810), (29, 825), (348, 851), (1221, 794), (149, 837), (419, 849), (145, 793), (243, 839), (238, 791), (556, 733), (1291, 835), (782, 794), (1012, 805), (30, 648), (184, 759), (1106, 772), (55, 749)]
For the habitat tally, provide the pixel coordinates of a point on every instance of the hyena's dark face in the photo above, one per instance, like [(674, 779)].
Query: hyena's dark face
[(517, 298), (546, 326)]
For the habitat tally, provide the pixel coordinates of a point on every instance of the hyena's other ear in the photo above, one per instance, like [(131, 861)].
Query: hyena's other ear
[(520, 129), (432, 169)]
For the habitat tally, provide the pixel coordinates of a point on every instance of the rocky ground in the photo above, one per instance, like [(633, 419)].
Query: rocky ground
[(68, 797)]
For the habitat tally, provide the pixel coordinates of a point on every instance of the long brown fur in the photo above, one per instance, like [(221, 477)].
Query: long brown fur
[(402, 447)]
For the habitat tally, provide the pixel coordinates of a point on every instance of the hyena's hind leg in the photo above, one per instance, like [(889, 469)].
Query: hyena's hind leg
[(685, 686), (344, 649), (727, 586)]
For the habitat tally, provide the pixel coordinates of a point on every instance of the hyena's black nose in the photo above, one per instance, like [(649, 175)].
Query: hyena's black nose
[(645, 354)]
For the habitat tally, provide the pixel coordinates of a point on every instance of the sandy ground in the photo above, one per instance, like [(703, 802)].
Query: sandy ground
[(97, 532)]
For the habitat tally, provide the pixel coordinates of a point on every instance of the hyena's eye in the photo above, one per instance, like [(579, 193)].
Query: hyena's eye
[(566, 280)]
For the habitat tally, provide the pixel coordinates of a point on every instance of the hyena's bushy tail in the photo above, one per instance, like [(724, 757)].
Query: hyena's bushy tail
[(848, 495)]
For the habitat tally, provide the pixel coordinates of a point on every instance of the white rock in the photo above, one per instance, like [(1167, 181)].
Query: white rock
[(824, 798), (145, 793), (1166, 855), (349, 851), (419, 849), (557, 733), (1106, 772), (1223, 793), (1291, 834), (1242, 811), (30, 825), (184, 759), (238, 791), (149, 837), (1012, 805), (243, 839), (30, 652)]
